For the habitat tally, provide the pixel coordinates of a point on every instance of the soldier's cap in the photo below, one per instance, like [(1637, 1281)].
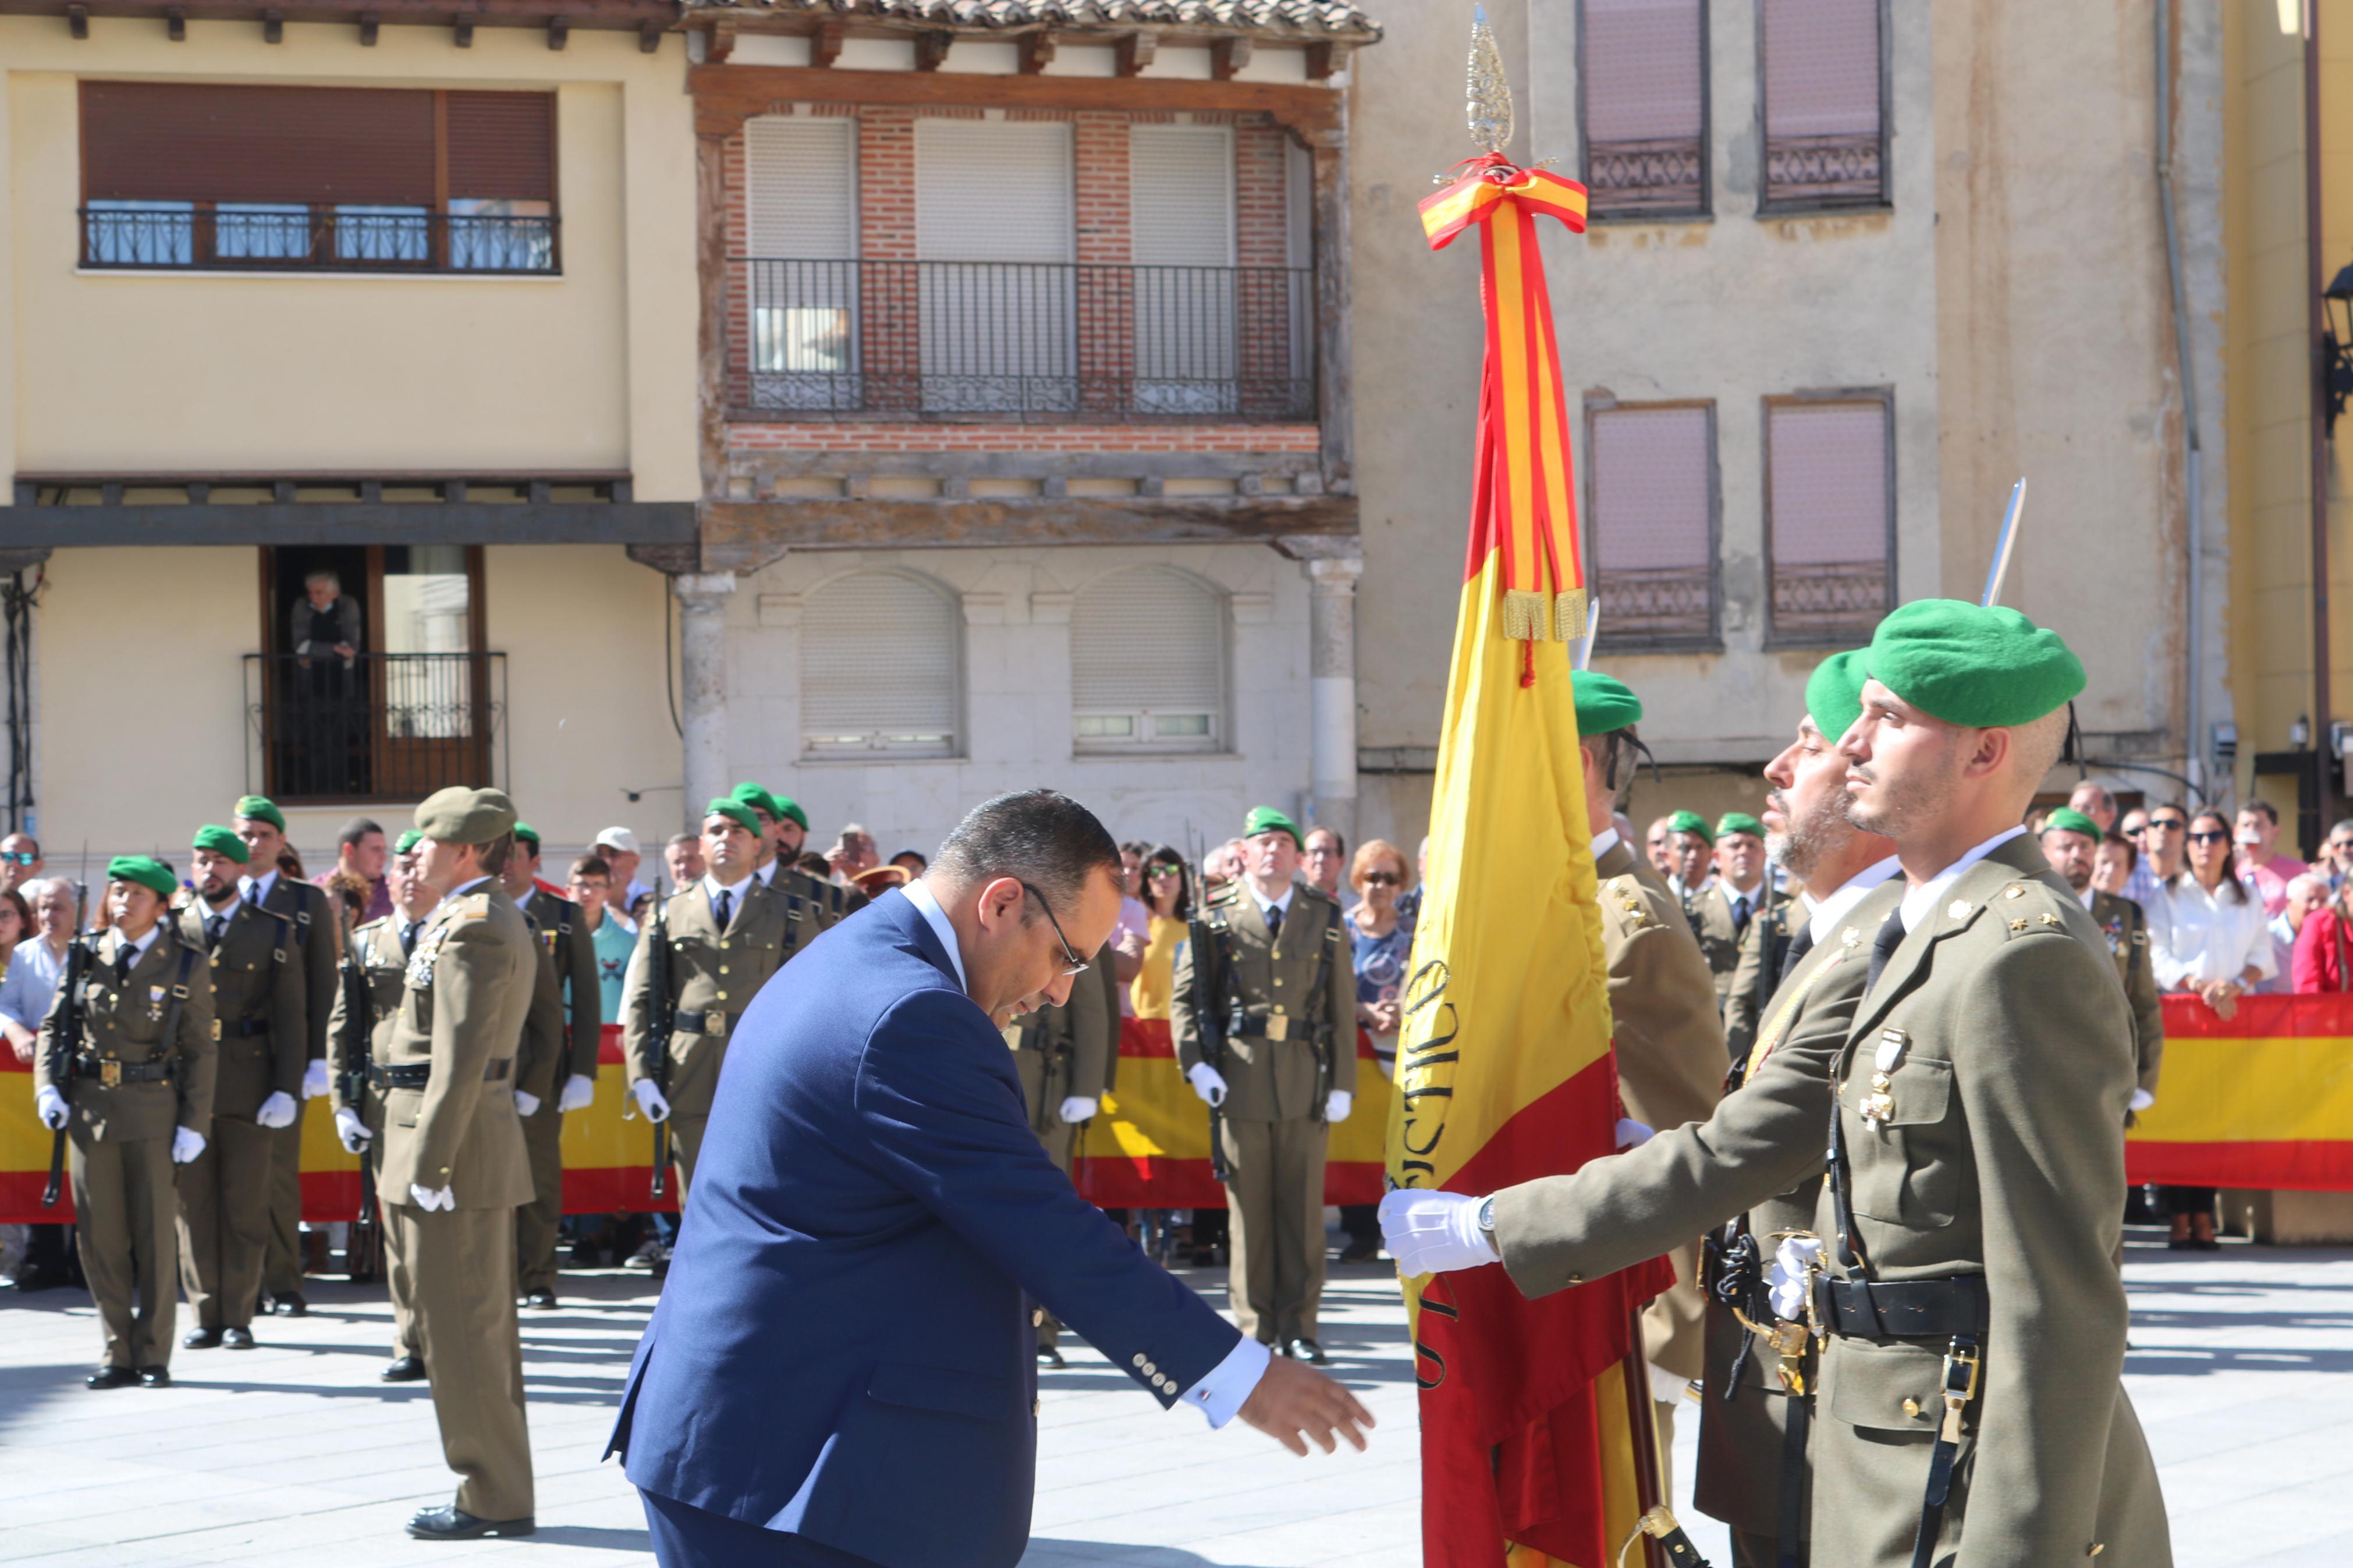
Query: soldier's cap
[(1970, 665), (786, 806), (526, 833), (1691, 822), (408, 841), (221, 841), (1266, 819), (1738, 822), (462, 816), (758, 799), (260, 808), (734, 809), (2067, 819), (1604, 702), (1834, 693), (143, 869)]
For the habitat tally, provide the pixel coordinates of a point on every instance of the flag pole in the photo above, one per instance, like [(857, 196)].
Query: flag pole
[(2002, 546), (1592, 625)]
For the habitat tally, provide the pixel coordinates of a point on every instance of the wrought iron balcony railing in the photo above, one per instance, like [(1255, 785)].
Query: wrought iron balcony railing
[(379, 726), (1830, 601), (1664, 177), (1019, 341), (1658, 606), (183, 235), (1824, 171)]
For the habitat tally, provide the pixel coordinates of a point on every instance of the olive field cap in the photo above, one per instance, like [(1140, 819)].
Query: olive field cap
[(462, 816)]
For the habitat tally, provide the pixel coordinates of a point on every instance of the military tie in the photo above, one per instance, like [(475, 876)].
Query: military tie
[(1740, 914), (1802, 944), (1274, 923), (214, 926), (723, 907), (408, 929), (122, 962), (1890, 938)]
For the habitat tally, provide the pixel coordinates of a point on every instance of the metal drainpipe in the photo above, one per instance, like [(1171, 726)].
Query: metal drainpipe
[(2193, 462), (2321, 714)]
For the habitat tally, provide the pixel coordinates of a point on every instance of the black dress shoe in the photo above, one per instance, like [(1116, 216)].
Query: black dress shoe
[(291, 1305), (2177, 1243), (2205, 1244), (403, 1369), (1361, 1252), (542, 1298), (1307, 1351), (112, 1377), (237, 1338), (450, 1522), (35, 1277), (154, 1377), (1048, 1356), (200, 1338)]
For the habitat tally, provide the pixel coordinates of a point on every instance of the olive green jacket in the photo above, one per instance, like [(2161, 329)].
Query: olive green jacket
[(1271, 1067), (564, 933), (264, 1026), (383, 963), (1757, 972), (542, 1055), (2125, 925), (123, 1021), (712, 971), (1063, 1051), (1709, 912), (317, 935)]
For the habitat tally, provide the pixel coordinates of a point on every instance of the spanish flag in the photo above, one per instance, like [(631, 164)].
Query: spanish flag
[(1534, 1415)]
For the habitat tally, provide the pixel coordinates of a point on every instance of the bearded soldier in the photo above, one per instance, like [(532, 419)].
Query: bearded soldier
[(2070, 839)]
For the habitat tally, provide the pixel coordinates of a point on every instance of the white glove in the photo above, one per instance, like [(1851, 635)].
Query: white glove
[(352, 1131), (275, 1111), (650, 1100), (51, 1107), (1434, 1233), (1077, 1109), (1789, 1276), (1666, 1387), (187, 1144), (1209, 1083), (579, 1093), (1336, 1106), (314, 1079), (1632, 1134), (2141, 1100), (526, 1103), (431, 1198)]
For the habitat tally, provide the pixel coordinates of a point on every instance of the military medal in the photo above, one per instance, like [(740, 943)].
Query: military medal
[(1879, 1106)]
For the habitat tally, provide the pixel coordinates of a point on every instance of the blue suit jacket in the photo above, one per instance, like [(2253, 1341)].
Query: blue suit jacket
[(844, 1348)]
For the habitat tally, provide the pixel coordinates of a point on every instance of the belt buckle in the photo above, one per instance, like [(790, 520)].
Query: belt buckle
[(1278, 1027), (110, 1073), (1962, 1363), (715, 1024)]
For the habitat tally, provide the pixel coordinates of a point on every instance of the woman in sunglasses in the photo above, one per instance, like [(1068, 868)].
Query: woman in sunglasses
[(1167, 893), (2209, 938)]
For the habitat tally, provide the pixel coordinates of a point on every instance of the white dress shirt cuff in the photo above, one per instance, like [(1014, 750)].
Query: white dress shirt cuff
[(1230, 1382)]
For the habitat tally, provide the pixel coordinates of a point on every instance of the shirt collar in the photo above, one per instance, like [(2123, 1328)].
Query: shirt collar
[(461, 892), (927, 905), (1604, 841), (712, 887), (138, 950), (1920, 899), (211, 913), (1837, 906), (768, 873), (2088, 894), (258, 889), (1264, 904)]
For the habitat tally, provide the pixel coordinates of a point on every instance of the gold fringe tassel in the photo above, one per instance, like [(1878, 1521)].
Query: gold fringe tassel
[(1568, 616), (1523, 615)]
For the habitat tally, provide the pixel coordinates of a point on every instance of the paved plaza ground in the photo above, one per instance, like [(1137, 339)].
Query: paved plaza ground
[(2242, 1368)]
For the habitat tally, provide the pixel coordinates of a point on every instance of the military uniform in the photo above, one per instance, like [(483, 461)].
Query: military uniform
[(120, 1132), (570, 949), (317, 936), (1720, 937), (264, 1035), (715, 973), (2125, 927), (1757, 973), (1295, 992), (381, 949), (1059, 1053)]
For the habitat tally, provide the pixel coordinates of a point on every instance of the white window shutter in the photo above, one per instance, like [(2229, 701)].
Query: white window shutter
[(800, 187), (992, 190), (1654, 523), (1830, 511), (1181, 195), (879, 667), (995, 228), (1148, 663)]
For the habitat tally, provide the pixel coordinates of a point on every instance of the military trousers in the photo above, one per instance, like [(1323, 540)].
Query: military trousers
[(281, 1270), (537, 1221), (225, 1223), (1274, 1204), (461, 1274), (399, 1281), (685, 1142), (126, 1220)]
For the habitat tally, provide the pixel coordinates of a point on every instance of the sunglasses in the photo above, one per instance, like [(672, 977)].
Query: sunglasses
[(18, 857), (2165, 825), (1072, 962), (1164, 872), (2209, 838), (1382, 879)]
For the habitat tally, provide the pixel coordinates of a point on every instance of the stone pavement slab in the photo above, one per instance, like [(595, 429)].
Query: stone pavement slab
[(2241, 1371)]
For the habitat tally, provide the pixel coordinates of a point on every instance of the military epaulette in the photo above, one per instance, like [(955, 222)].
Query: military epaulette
[(2022, 914), (1222, 896), (1313, 891), (1628, 893)]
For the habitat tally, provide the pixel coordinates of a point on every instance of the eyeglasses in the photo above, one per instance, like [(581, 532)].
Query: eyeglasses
[(1072, 962), (1382, 879), (2209, 838), (18, 857), (1164, 872)]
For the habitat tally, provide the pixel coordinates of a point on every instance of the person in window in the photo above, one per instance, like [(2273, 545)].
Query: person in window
[(323, 631)]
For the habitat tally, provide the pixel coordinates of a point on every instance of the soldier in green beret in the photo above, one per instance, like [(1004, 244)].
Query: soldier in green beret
[(2071, 841), (1692, 847), (1722, 910), (261, 1023), (125, 1068), (1264, 1016), (318, 936), (454, 1168), (782, 832)]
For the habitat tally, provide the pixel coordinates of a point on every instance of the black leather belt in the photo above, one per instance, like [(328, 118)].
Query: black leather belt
[(1906, 1309), (109, 1071), (245, 1028), (715, 1023), (417, 1075)]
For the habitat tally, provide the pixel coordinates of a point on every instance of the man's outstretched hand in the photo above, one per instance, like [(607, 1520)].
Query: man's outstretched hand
[(1294, 1402)]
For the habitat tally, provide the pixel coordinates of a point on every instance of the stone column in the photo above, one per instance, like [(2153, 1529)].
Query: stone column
[(702, 685), (1331, 688)]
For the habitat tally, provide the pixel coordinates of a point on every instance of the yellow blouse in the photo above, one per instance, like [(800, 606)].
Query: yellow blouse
[(1148, 992)]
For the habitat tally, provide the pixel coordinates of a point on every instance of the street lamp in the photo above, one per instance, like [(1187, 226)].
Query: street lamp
[(2335, 345)]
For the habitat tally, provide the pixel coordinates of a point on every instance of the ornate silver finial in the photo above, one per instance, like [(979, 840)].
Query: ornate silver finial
[(1489, 105)]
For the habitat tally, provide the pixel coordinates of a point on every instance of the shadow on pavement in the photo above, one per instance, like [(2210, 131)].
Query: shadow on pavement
[(601, 1539), (1047, 1553)]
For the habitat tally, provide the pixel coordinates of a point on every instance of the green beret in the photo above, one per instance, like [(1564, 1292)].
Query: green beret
[(259, 808), (408, 841), (221, 841), (1266, 819), (1834, 693), (1972, 666), (526, 833), (1692, 822), (2067, 819), (786, 806), (1738, 822), (1604, 702), (146, 871), (736, 809), (462, 816), (758, 799)]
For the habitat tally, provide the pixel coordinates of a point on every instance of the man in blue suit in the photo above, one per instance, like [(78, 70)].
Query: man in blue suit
[(841, 1371)]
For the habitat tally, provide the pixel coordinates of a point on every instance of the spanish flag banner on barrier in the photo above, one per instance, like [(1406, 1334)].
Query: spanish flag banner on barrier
[(1148, 1146), (1534, 1415), (2263, 1098)]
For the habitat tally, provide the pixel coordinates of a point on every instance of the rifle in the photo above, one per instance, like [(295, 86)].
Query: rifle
[(64, 1039), (1319, 1028), (662, 1009), (1209, 950), (359, 1017)]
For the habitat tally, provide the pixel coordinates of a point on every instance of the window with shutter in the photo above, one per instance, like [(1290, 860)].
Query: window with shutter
[(1147, 664), (1824, 132), (1181, 194), (881, 669), (1651, 527), (1642, 95), (996, 232), (801, 221), (1829, 518)]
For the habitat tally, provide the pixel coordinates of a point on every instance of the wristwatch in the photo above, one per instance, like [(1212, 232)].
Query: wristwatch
[(1487, 1221)]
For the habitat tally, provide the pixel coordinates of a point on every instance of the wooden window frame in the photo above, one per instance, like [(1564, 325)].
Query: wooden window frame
[(1705, 212), (1885, 200), (1711, 641), (1809, 638)]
